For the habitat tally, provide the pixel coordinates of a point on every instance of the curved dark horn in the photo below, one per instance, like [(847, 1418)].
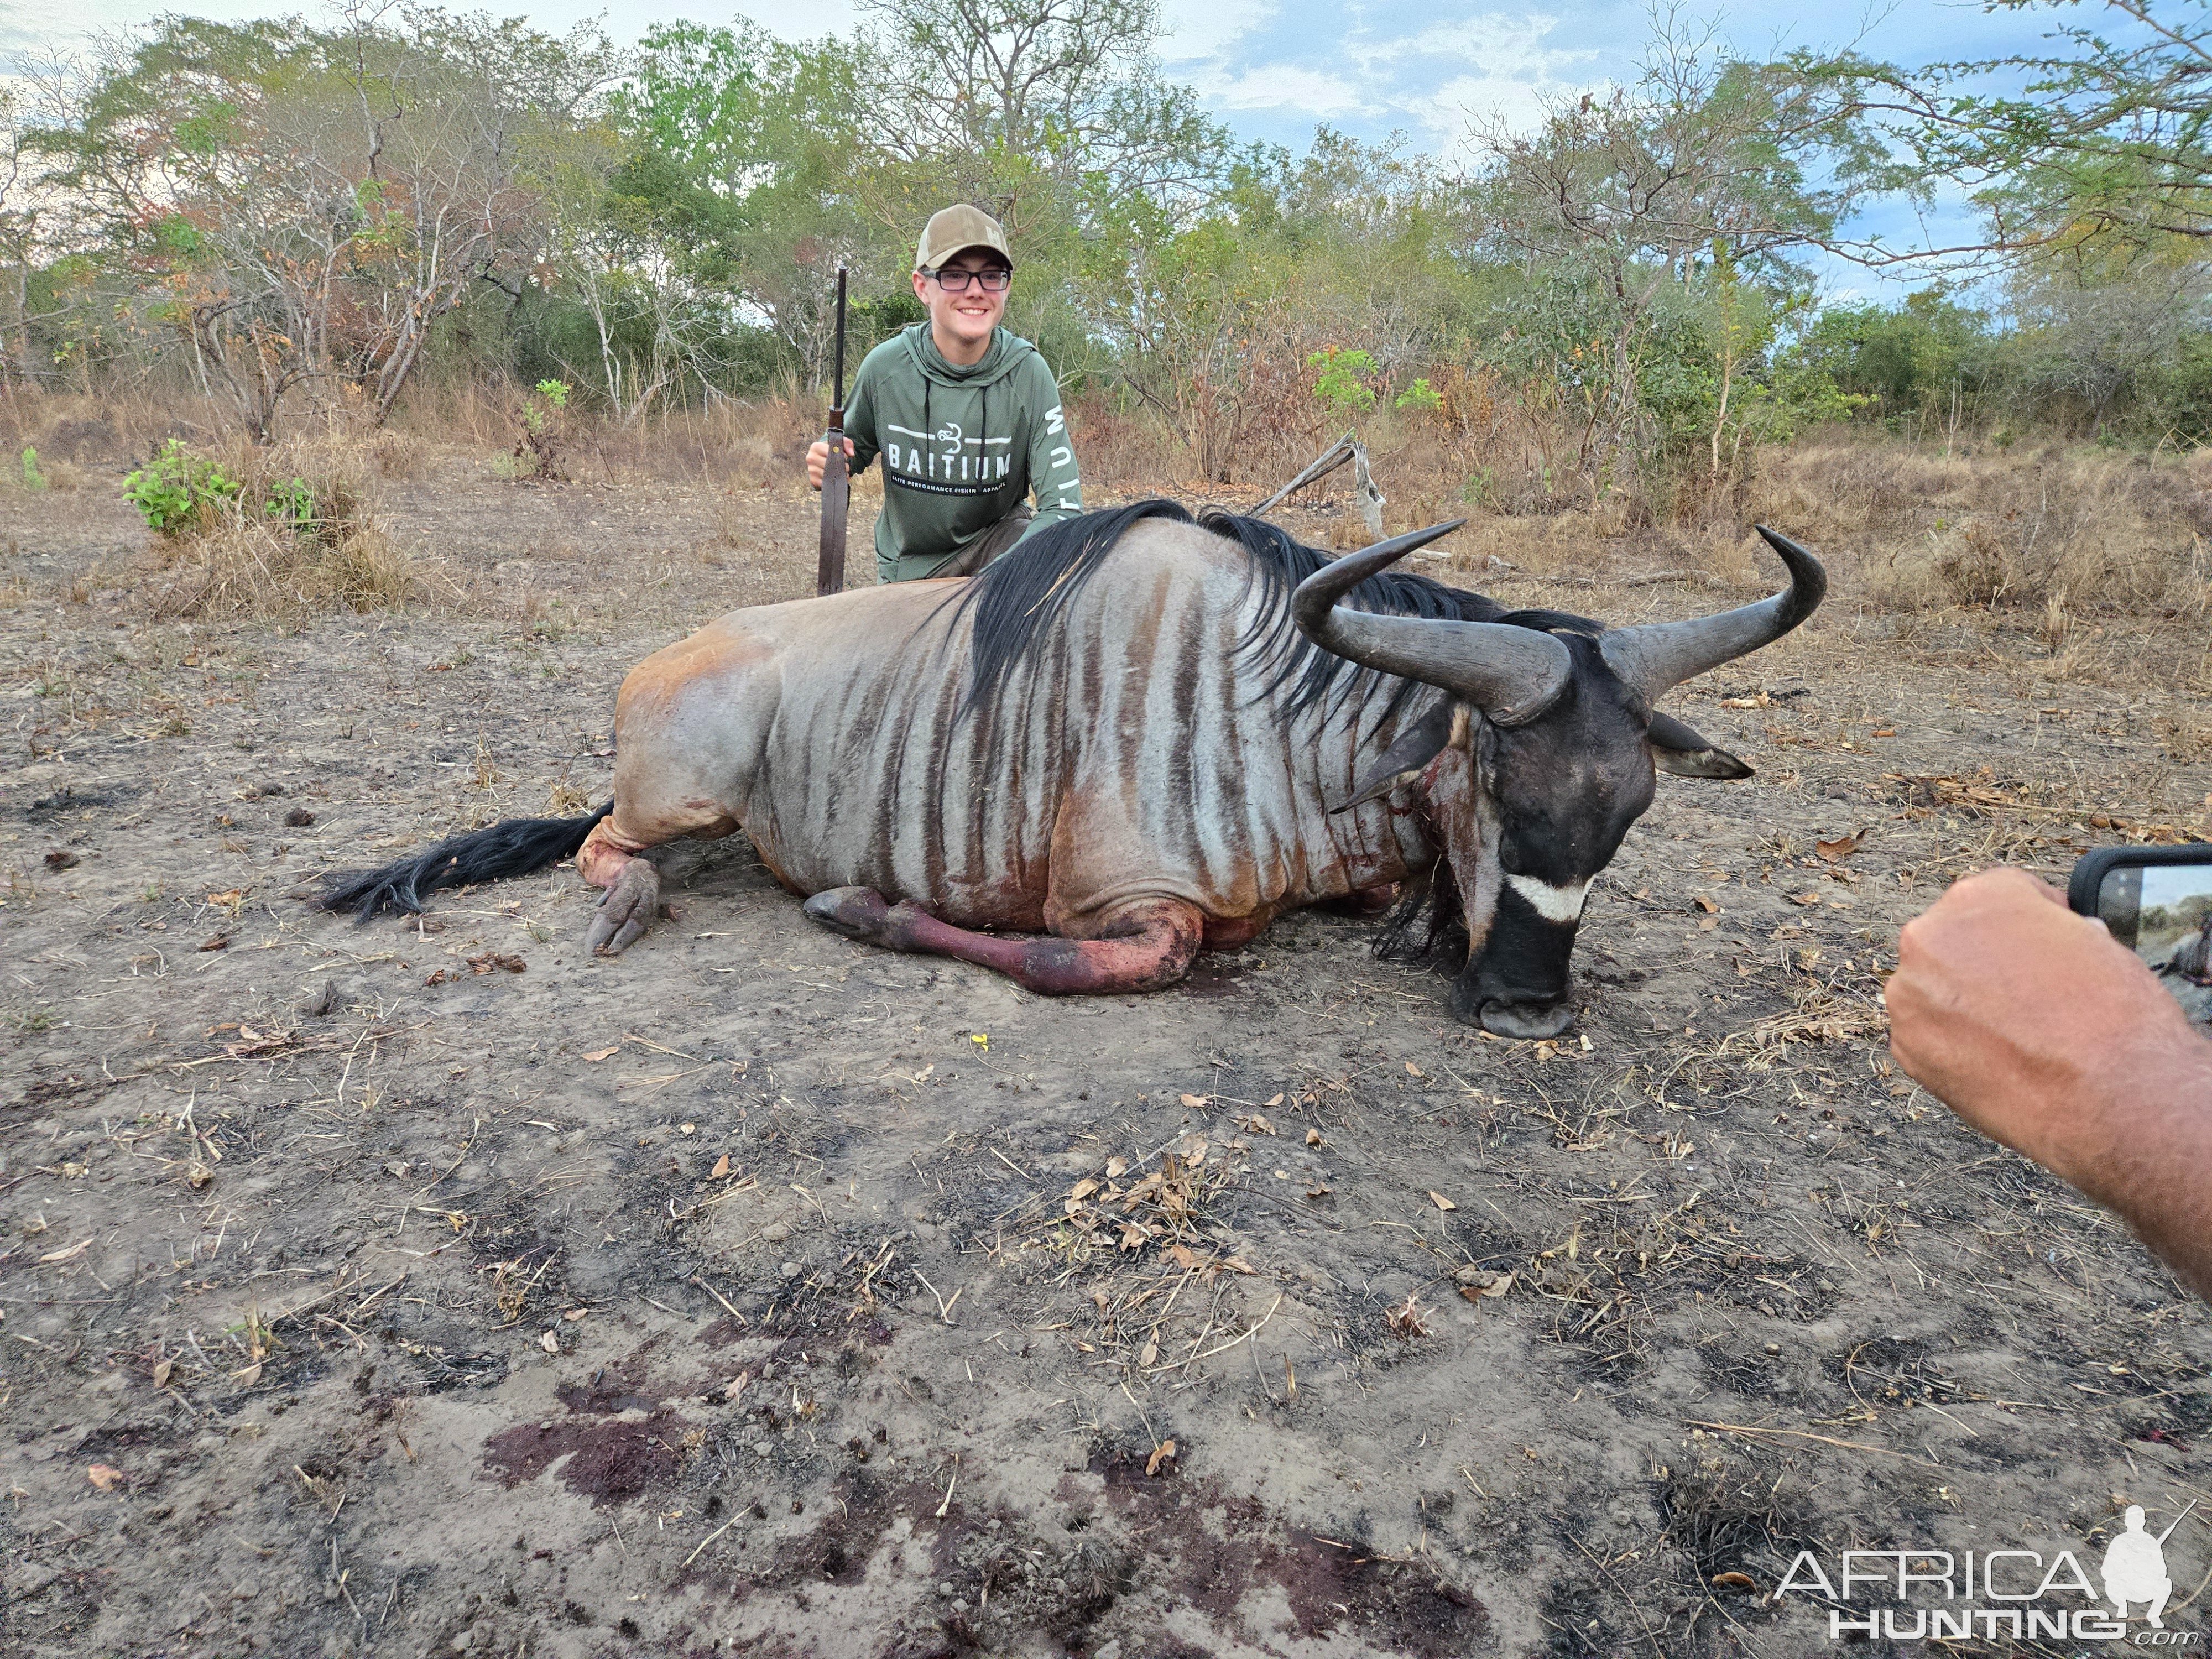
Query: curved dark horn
[(1657, 657), (1510, 673)]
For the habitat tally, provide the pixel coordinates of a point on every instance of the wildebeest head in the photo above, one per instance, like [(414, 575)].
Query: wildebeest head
[(1542, 756)]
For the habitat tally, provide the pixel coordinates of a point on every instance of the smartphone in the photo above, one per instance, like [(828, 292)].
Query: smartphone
[(2157, 900)]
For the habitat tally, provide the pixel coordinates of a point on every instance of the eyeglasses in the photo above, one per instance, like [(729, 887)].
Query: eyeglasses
[(955, 281)]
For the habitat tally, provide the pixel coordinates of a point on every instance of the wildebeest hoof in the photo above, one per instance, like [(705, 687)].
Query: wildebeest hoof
[(625, 911), (857, 913)]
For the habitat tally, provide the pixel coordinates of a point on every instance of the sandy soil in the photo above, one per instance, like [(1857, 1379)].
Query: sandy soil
[(433, 1289)]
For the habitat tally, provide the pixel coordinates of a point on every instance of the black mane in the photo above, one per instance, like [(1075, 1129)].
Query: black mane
[(1025, 596)]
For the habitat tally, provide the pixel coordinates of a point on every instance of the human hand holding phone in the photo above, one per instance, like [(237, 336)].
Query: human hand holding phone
[(2040, 1028)]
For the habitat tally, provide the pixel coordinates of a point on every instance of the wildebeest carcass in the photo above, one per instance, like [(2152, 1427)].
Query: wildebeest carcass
[(2193, 957), (1137, 736)]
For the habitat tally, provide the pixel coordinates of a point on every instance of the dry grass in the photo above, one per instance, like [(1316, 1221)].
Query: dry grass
[(2046, 540), (2051, 531), (247, 563), (732, 445)]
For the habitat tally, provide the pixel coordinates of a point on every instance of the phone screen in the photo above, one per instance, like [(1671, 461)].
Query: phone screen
[(2163, 912)]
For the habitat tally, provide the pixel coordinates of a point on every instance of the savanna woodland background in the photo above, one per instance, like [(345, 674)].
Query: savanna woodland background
[(375, 392), (405, 218)]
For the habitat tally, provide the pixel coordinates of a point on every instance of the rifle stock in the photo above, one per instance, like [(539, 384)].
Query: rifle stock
[(836, 483)]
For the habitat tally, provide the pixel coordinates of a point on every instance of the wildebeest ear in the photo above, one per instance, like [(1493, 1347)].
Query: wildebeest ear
[(1678, 749), (1417, 745)]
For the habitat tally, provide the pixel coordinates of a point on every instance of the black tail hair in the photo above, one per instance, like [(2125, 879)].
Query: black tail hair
[(514, 848)]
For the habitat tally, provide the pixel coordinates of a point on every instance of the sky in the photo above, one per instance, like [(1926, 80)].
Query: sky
[(1274, 69)]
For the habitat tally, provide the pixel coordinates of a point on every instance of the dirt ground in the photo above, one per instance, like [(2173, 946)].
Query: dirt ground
[(435, 1289)]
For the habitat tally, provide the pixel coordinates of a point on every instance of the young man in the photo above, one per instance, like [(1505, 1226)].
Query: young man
[(966, 416)]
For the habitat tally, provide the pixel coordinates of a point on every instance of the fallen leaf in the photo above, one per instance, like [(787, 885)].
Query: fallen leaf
[(1706, 905), (1161, 1454), (981, 1040), (1475, 1283), (297, 819), (1313, 1137), (1759, 700), (1116, 1168), (1413, 1070), (573, 1314), (1083, 1189), (1183, 1258), (220, 942), (491, 959), (106, 1476), (1836, 851), (229, 901), (1256, 1124), (1733, 1581), (1804, 898), (599, 1054), (1194, 1101), (1150, 1352), (1440, 1201), (1884, 731), (72, 1252), (721, 1168), (162, 1369), (58, 859), (549, 1342), (199, 1175), (1276, 1099), (249, 1376)]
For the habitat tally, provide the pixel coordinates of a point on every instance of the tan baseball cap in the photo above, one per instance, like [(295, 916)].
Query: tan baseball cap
[(956, 229)]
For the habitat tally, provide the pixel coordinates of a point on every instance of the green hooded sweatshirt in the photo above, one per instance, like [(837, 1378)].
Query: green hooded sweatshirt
[(962, 448)]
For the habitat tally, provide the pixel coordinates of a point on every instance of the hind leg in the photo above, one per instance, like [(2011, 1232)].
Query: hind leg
[(1150, 947), (622, 855), (632, 881)]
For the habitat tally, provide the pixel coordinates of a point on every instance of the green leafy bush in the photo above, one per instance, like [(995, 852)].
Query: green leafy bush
[(1341, 383), (291, 503), (179, 489), (33, 478), (1420, 395)]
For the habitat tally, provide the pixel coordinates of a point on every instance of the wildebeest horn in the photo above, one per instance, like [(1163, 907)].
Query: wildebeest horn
[(1657, 657), (1510, 673)]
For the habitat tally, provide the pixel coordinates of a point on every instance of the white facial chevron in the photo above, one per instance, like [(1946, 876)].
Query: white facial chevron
[(1552, 904)]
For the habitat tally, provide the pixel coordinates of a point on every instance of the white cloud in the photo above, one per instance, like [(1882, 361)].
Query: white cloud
[(1200, 29), (1282, 86)]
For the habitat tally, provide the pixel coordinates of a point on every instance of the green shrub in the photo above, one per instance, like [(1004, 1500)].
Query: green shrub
[(1420, 395), (179, 489), (291, 503), (1341, 383), (33, 478)]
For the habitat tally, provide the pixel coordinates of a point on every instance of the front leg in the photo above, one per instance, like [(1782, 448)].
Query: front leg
[(1149, 948)]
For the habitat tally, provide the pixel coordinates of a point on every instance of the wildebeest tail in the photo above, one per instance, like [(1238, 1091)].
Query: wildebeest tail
[(514, 848)]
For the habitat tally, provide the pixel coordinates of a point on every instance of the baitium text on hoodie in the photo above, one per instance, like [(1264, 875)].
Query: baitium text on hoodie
[(962, 448)]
